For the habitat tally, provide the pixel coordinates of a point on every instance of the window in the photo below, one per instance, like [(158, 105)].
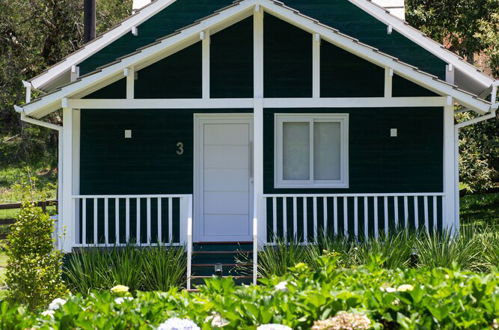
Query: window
[(311, 151)]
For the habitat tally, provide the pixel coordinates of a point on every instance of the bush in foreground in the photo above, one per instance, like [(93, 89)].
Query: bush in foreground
[(302, 299), (33, 274)]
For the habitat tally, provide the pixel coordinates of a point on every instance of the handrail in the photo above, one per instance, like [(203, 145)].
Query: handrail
[(359, 195), (189, 243), (255, 250), (132, 196)]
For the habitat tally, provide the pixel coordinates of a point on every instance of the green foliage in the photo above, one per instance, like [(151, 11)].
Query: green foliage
[(153, 268), (33, 273), (479, 154), (480, 209), (466, 27), (408, 299), (34, 35), (474, 249), (471, 29)]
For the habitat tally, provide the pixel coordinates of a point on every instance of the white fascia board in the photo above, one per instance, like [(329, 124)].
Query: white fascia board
[(99, 43), (373, 55), (427, 43), (52, 102)]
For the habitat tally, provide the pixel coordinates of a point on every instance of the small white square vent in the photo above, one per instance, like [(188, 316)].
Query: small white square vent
[(393, 132), (128, 134)]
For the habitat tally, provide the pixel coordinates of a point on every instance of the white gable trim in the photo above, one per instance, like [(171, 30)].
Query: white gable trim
[(99, 43), (419, 38), (375, 56), (52, 102)]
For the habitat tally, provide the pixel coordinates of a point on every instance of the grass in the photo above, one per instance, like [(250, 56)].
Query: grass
[(11, 175), (480, 209)]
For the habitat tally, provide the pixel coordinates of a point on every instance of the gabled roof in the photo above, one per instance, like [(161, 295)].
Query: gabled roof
[(480, 81), (60, 71), (190, 34), (467, 76)]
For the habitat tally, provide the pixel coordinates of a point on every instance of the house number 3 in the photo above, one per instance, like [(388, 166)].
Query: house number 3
[(180, 148)]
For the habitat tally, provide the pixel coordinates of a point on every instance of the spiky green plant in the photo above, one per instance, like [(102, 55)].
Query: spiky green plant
[(151, 268), (163, 268), (445, 249)]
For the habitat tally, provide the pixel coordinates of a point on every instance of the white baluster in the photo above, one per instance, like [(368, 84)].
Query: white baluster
[(160, 229), (117, 220), (170, 220), (106, 221)]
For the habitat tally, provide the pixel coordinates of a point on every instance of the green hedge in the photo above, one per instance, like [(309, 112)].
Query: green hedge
[(415, 298)]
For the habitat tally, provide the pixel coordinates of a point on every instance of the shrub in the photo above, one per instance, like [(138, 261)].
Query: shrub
[(151, 268), (476, 248), (33, 273), (414, 298)]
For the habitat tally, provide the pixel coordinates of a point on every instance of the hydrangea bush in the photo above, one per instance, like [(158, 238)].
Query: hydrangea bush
[(328, 297)]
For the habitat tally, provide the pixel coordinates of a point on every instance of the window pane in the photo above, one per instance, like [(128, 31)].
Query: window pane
[(327, 151), (296, 151)]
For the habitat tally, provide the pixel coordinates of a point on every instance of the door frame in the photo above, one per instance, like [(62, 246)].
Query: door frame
[(219, 118)]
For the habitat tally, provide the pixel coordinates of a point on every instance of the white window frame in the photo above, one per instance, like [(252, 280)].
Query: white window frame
[(311, 118)]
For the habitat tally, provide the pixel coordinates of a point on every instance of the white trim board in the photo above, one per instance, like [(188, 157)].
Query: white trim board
[(51, 102), (247, 103)]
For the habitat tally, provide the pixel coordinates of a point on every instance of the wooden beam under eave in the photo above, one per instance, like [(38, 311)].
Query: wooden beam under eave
[(130, 83)]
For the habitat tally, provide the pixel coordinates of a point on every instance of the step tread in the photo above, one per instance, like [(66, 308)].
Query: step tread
[(223, 265), (236, 277), (222, 243), (222, 252)]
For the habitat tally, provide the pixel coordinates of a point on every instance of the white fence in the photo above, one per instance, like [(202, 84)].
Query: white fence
[(306, 216), (118, 220)]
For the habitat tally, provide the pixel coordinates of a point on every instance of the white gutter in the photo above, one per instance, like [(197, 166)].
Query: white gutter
[(36, 121)]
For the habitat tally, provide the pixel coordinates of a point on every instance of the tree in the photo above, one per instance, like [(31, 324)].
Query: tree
[(469, 28), (34, 35)]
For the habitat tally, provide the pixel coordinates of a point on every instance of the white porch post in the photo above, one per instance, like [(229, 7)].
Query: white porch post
[(451, 218), (258, 200), (67, 223), (259, 225)]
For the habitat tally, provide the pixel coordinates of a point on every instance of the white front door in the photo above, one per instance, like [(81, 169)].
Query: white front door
[(223, 184)]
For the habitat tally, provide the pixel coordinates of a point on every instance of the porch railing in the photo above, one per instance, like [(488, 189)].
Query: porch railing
[(118, 220), (304, 217)]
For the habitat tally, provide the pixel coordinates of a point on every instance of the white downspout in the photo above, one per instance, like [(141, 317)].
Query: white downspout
[(59, 130), (492, 114)]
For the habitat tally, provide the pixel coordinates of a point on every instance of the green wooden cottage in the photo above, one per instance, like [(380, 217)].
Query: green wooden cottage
[(218, 121)]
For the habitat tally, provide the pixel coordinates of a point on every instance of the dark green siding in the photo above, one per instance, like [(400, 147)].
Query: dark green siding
[(116, 90), (346, 75), (231, 61), (378, 163), (145, 164), (404, 87), (287, 60), (176, 76), (339, 14), (349, 19), (176, 16)]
